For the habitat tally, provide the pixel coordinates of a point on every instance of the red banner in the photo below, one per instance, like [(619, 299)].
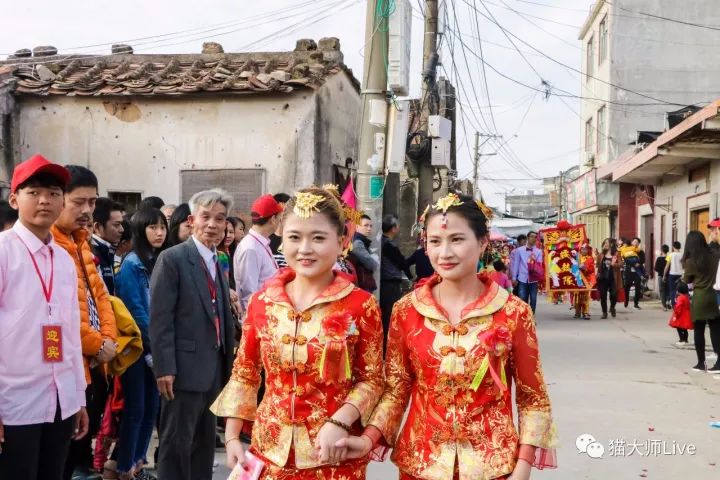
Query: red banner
[(562, 258)]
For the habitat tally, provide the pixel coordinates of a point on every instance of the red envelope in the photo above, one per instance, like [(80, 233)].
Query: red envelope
[(254, 467)]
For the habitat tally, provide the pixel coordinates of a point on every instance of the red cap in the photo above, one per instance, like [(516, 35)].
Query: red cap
[(714, 224), (265, 207), (34, 165)]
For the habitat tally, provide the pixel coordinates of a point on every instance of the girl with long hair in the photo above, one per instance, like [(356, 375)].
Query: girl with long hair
[(318, 339), (140, 393), (179, 227), (608, 265), (456, 344), (700, 265)]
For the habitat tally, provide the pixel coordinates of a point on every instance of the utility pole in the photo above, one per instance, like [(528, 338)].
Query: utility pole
[(428, 99), (371, 151), (476, 159)]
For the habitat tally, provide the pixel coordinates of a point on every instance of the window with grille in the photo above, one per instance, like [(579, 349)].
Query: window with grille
[(590, 60), (601, 120), (131, 200), (603, 47), (589, 136)]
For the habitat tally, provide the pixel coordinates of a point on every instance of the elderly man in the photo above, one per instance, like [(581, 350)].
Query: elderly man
[(192, 337)]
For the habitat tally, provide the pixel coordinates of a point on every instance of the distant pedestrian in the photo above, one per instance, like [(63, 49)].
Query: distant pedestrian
[(662, 286), (168, 210), (674, 270), (681, 319), (421, 262), (8, 215), (151, 202), (700, 265), (392, 268), (632, 270), (499, 276), (254, 262), (525, 270), (362, 258), (276, 237), (607, 266)]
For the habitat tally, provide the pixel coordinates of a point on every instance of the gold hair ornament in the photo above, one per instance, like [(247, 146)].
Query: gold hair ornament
[(485, 210), (445, 203), (306, 204)]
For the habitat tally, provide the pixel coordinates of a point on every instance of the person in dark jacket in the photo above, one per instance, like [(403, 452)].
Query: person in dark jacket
[(107, 232), (140, 393), (700, 265), (362, 259), (423, 267), (660, 264), (392, 267)]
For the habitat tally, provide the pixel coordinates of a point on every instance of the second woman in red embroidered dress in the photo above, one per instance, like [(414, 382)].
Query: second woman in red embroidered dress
[(455, 345), (319, 340)]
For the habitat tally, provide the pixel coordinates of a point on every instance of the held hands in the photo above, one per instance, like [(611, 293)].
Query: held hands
[(325, 444), (357, 447), (107, 352), (522, 471), (165, 386), (235, 304)]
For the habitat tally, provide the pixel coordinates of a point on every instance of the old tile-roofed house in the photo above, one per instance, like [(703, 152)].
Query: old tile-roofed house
[(170, 125)]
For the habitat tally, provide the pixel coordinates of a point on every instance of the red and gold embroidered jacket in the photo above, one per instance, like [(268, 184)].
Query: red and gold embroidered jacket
[(458, 380), (315, 361)]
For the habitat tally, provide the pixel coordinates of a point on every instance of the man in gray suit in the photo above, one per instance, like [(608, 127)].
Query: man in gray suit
[(192, 337)]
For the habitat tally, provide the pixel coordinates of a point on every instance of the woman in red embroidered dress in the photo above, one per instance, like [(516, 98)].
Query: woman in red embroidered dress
[(455, 345), (319, 340)]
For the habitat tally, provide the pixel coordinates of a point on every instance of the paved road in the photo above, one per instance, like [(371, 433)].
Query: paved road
[(621, 380)]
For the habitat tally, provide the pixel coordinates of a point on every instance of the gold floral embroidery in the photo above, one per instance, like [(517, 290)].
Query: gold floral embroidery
[(287, 346), (450, 426)]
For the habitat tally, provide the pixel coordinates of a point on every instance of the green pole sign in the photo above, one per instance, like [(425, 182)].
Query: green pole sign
[(377, 185)]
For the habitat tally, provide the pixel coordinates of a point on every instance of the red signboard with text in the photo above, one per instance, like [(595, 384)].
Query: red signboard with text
[(562, 258)]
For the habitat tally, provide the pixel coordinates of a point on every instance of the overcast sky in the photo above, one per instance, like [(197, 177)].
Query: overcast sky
[(548, 137)]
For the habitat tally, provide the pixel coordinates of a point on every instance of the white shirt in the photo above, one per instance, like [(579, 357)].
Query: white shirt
[(254, 265), (675, 265), (29, 386), (208, 256)]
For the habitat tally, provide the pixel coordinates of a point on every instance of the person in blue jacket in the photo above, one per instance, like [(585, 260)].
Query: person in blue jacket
[(142, 399)]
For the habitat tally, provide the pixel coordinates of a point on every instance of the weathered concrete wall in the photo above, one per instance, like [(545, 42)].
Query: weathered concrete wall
[(142, 146), (338, 120), (680, 195), (666, 60)]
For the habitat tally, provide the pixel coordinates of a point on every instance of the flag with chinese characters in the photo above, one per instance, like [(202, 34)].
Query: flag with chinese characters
[(562, 258)]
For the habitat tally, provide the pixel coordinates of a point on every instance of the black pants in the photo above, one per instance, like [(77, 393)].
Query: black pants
[(607, 288), (390, 293), (36, 452), (187, 434), (96, 395), (683, 334), (633, 279), (699, 334)]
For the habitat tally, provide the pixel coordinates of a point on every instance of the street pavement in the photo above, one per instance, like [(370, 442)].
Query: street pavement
[(624, 382)]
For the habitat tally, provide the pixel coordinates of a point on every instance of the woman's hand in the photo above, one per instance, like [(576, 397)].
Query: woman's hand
[(325, 447), (235, 453), (233, 447), (522, 471), (357, 447)]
